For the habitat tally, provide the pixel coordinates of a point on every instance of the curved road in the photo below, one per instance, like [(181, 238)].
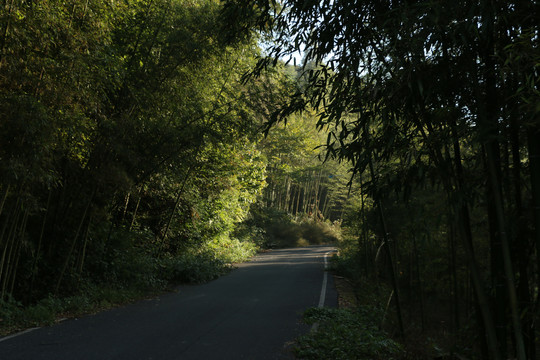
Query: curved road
[(252, 313)]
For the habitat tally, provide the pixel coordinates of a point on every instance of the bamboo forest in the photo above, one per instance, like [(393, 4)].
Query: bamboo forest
[(149, 143)]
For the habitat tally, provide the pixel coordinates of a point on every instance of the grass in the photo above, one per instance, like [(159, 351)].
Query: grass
[(358, 291), (345, 334), (353, 331), (14, 316), (134, 276)]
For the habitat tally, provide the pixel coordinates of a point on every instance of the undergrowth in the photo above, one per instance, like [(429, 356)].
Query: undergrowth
[(127, 273), (280, 229), (127, 277), (345, 334), (351, 333), (371, 290)]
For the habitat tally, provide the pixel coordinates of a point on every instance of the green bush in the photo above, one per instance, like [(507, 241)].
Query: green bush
[(349, 265), (250, 232), (230, 250), (14, 315), (303, 233), (346, 334), (280, 229), (125, 269), (38, 314), (192, 268), (10, 311)]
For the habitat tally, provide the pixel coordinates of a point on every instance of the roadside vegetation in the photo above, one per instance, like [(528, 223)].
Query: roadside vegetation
[(132, 156), (345, 334), (149, 143), (434, 108)]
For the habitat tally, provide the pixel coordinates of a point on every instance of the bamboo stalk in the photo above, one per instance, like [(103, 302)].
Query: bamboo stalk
[(4, 200), (22, 231), (85, 243), (388, 252), (176, 202), (325, 206), (488, 123), (126, 203), (68, 257), (136, 209), (299, 190), (507, 260), (453, 276), (8, 250), (419, 279), (533, 144), (40, 240), (463, 220)]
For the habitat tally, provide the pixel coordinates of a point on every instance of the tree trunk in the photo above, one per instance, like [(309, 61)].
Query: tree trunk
[(388, 252), (533, 142), (419, 280), (40, 240), (464, 225), (3, 202), (173, 211), (454, 279), (74, 241), (22, 231), (6, 261), (488, 126), (136, 209)]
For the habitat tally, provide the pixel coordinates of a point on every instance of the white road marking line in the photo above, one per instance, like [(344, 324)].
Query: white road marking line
[(18, 334), (322, 297)]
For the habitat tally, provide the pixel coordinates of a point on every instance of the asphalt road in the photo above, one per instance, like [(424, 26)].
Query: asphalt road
[(252, 313)]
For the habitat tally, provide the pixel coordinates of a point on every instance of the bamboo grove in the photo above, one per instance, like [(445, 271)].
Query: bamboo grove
[(298, 181), (435, 107), (131, 139), (127, 139), (132, 150)]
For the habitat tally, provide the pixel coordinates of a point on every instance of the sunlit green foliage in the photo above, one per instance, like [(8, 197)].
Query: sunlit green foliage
[(300, 181), (128, 145)]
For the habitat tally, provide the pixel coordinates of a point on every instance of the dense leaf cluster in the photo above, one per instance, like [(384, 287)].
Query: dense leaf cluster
[(346, 334), (127, 144), (433, 101)]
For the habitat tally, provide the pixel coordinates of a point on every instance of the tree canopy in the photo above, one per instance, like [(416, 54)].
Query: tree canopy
[(422, 94), (153, 141)]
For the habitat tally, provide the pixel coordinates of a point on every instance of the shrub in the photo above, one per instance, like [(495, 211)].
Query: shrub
[(230, 250), (192, 268), (346, 334), (14, 315), (279, 229)]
